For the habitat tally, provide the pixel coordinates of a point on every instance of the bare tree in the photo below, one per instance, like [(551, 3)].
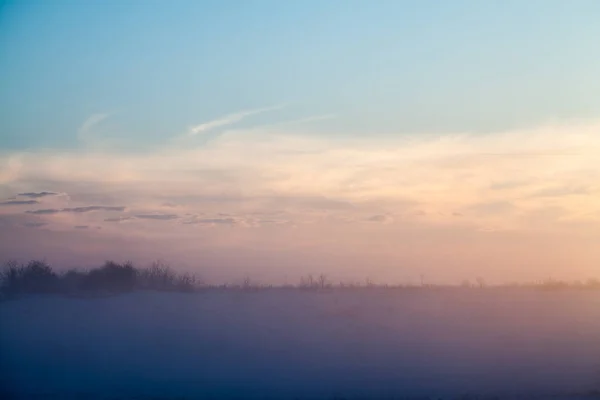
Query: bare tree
[(322, 282)]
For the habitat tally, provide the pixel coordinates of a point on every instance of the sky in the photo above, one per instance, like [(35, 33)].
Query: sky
[(387, 140)]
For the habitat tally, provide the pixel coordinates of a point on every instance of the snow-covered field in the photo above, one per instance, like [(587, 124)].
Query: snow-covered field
[(303, 344)]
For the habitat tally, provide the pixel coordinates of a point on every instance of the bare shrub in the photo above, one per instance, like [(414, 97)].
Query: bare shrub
[(186, 282), (159, 276), (313, 283), (10, 277), (111, 277), (322, 282), (72, 281), (34, 277)]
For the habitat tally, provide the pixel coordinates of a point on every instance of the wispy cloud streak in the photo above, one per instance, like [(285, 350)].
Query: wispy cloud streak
[(84, 133), (36, 195), (227, 120), (158, 217), (18, 202), (86, 209)]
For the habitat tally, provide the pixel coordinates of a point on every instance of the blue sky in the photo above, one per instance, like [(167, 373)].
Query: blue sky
[(386, 139), (381, 67)]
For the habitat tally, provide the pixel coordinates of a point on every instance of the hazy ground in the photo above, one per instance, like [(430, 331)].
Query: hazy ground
[(303, 344)]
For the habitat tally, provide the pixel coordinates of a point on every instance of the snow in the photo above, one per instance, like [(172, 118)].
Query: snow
[(284, 343)]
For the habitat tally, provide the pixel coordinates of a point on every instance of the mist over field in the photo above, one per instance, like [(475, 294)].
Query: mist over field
[(294, 344)]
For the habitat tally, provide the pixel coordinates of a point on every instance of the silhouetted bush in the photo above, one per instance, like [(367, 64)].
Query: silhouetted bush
[(111, 277), (72, 281), (38, 277), (308, 282), (10, 277), (158, 276), (186, 282), (320, 282), (34, 277)]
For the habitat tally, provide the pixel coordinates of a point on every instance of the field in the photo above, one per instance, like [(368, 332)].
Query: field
[(288, 343)]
